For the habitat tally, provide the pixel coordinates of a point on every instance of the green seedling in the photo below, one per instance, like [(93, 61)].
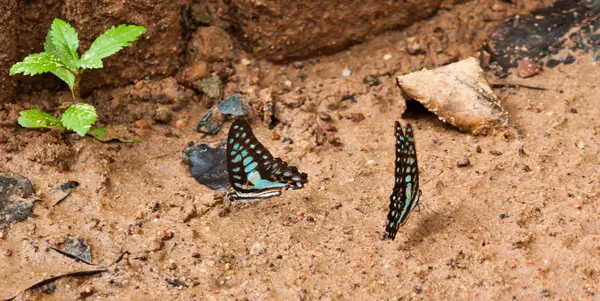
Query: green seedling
[(61, 58)]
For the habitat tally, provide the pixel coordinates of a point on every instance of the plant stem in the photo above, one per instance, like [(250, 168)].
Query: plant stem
[(75, 91)]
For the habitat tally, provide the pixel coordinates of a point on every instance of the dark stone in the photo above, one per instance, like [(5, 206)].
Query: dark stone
[(348, 97), (78, 248), (569, 60), (371, 80), (551, 63), (16, 199), (212, 122)]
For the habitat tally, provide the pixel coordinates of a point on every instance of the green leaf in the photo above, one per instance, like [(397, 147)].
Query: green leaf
[(62, 42), (90, 63), (79, 117), (36, 63), (66, 76), (109, 43), (35, 119), (101, 134)]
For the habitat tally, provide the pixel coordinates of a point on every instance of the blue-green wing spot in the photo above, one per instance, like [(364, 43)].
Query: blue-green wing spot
[(405, 196), (253, 172)]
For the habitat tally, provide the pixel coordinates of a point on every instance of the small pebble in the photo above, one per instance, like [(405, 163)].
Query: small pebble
[(257, 249), (463, 162), (310, 219), (324, 116), (573, 110), (569, 60), (336, 141), (371, 80), (288, 140), (275, 136), (348, 97), (371, 162), (527, 68), (142, 124), (337, 205), (412, 46), (545, 293), (86, 291), (300, 213), (163, 114), (580, 144), (497, 7), (287, 149), (288, 83), (330, 128), (387, 56), (8, 253), (478, 148), (2, 234), (245, 61), (298, 65), (496, 153), (171, 265), (503, 216), (357, 117), (346, 72), (418, 289), (168, 235), (181, 123)]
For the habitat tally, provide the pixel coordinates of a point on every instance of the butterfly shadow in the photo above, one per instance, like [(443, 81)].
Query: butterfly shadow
[(432, 222)]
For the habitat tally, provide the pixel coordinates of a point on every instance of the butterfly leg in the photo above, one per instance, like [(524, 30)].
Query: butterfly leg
[(225, 208), (424, 224)]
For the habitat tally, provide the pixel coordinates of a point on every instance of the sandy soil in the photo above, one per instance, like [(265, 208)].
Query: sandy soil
[(521, 222)]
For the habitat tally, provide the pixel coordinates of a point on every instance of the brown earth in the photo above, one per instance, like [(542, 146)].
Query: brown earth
[(158, 53), (521, 221), (283, 30)]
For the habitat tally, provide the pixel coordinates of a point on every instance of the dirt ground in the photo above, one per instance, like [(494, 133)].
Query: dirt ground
[(520, 222)]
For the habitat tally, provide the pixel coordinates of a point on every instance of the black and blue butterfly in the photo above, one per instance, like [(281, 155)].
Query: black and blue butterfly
[(253, 172), (405, 197)]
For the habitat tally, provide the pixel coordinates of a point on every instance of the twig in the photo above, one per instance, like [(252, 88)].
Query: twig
[(54, 278), (501, 85)]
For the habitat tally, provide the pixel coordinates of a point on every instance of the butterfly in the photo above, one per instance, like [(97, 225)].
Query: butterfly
[(253, 172), (405, 197)]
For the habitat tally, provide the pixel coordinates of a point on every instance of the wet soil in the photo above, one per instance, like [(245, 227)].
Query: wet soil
[(519, 221)]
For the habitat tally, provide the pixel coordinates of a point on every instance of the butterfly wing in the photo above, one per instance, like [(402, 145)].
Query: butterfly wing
[(251, 167), (405, 196)]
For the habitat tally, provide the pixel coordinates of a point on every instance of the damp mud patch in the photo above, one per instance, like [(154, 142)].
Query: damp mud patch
[(547, 36), (208, 164)]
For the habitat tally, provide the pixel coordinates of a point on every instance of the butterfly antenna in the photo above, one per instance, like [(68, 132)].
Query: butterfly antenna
[(441, 172), (149, 160), (424, 225), (419, 205)]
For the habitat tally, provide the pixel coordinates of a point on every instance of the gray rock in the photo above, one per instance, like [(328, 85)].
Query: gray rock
[(16, 199)]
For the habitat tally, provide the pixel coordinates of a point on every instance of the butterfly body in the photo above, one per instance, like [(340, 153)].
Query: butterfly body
[(405, 196), (253, 172)]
